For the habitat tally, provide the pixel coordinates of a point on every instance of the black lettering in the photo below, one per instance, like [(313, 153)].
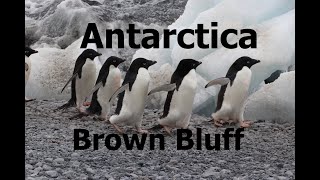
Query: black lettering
[(83, 138), (120, 38), (252, 37), (224, 40), (181, 41), (108, 143), (152, 140), (131, 31), (166, 37), (154, 37), (134, 140), (180, 139), (96, 37), (200, 31)]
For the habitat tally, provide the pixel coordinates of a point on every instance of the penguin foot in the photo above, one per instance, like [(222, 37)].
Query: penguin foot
[(245, 124), (168, 130), (118, 128), (86, 103), (217, 123)]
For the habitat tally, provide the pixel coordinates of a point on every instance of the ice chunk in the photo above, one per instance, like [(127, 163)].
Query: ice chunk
[(275, 49), (50, 70), (274, 102), (230, 14)]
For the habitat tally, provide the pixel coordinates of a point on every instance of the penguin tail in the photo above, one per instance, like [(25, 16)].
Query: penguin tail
[(69, 104)]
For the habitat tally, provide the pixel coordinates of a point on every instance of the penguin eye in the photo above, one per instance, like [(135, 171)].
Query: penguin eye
[(144, 64), (114, 61)]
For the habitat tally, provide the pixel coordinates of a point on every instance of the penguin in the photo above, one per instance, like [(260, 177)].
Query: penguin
[(108, 81), (82, 80), (132, 95), (181, 92), (27, 66), (233, 92)]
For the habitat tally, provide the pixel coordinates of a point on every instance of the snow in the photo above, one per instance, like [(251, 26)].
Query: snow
[(274, 102)]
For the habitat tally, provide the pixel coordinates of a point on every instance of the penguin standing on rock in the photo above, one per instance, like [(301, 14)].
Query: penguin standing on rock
[(132, 96), (109, 80), (27, 66), (181, 91), (233, 92), (83, 79)]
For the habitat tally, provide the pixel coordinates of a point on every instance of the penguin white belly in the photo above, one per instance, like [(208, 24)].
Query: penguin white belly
[(87, 81), (235, 96), (181, 103), (105, 92), (27, 69), (134, 101)]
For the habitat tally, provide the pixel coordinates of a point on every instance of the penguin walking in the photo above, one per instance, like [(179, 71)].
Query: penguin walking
[(181, 91), (83, 78), (132, 96), (109, 80), (27, 66), (233, 93)]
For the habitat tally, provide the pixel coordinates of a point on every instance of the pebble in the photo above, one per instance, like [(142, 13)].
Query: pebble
[(28, 166), (90, 170), (52, 174), (46, 167), (289, 173)]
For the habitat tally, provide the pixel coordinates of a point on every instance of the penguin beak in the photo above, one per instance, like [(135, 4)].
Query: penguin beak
[(153, 62), (99, 54), (199, 62), (122, 60), (35, 51)]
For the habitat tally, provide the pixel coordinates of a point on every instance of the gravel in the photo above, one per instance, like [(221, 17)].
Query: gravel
[(267, 150)]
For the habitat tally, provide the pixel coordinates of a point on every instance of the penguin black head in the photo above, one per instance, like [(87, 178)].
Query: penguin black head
[(185, 65), (28, 51), (90, 53), (141, 63), (244, 61), (115, 61)]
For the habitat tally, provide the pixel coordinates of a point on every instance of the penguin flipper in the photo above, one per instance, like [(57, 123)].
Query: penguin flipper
[(73, 76), (96, 87), (221, 81), (118, 91), (165, 87)]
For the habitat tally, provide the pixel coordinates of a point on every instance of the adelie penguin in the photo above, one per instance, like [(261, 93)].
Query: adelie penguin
[(233, 93), (83, 79), (27, 66), (181, 91), (109, 80), (132, 96)]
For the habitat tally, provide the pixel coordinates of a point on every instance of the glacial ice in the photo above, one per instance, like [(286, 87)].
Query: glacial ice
[(274, 102)]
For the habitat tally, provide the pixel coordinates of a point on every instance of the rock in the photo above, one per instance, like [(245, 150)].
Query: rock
[(289, 173), (48, 160), (282, 178), (46, 167), (59, 160), (90, 170), (212, 171), (28, 166), (39, 164), (52, 173), (75, 155), (76, 163)]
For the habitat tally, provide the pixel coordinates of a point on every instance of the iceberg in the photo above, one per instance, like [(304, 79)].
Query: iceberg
[(274, 102)]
